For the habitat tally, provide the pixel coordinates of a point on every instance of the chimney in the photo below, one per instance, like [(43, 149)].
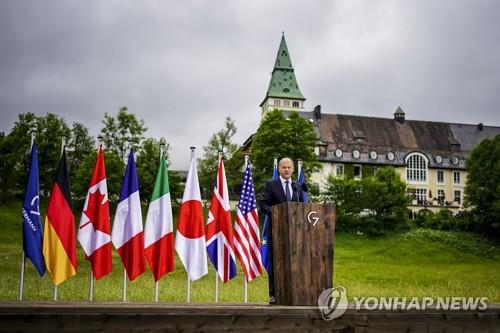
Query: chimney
[(399, 115), (317, 111), (480, 126)]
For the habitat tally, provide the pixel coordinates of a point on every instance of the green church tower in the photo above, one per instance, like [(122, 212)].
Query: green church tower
[(283, 92)]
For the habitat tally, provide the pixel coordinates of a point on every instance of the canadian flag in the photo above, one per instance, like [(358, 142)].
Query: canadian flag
[(94, 231), (190, 237)]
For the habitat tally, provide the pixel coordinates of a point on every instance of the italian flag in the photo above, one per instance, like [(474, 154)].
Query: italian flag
[(158, 231)]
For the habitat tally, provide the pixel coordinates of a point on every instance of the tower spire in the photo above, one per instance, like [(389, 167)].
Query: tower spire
[(283, 91)]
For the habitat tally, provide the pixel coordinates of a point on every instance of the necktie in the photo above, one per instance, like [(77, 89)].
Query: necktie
[(287, 191)]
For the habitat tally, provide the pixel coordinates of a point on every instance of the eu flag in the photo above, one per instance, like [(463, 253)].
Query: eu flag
[(265, 249), (302, 180), (32, 226)]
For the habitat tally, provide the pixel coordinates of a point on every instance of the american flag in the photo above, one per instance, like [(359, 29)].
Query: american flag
[(246, 238)]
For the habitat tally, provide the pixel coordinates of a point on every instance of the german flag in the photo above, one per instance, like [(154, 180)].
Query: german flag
[(59, 243)]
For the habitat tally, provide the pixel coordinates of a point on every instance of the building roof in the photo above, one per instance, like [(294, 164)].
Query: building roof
[(283, 83), (452, 142)]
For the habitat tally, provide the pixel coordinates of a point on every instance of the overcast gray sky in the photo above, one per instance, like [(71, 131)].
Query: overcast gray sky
[(183, 66)]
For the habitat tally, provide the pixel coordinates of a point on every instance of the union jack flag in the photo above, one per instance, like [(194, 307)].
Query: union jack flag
[(246, 238), (219, 232)]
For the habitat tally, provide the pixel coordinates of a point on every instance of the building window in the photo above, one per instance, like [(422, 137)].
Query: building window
[(440, 177), (440, 197), (458, 197), (286, 103), (421, 195), (374, 170), (416, 168), (340, 170), (277, 102), (295, 104), (357, 171), (456, 177)]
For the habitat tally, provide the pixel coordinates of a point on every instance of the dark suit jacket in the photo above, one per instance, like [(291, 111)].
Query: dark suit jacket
[(274, 194)]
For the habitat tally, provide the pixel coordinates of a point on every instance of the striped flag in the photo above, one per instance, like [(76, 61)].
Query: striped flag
[(94, 233), (127, 235), (219, 235), (246, 238), (265, 249), (59, 243), (32, 225), (190, 237), (158, 232)]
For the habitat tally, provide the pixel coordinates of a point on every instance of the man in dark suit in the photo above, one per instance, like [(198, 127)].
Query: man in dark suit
[(277, 191)]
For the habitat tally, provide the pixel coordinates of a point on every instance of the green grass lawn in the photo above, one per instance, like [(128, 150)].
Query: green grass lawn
[(417, 263)]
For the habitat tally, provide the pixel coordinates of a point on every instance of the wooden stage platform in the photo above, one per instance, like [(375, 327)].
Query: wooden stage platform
[(55, 317)]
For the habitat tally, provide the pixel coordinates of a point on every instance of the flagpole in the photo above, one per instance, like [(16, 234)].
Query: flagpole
[(299, 167), (63, 143), (188, 280), (216, 287), (157, 285), (246, 288), (23, 258), (91, 291), (216, 277), (124, 299), (91, 277), (188, 299), (247, 158), (21, 282)]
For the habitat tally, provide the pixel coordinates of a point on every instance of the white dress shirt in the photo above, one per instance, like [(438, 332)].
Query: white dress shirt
[(283, 180)]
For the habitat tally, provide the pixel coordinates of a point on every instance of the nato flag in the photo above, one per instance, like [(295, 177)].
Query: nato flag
[(32, 226)]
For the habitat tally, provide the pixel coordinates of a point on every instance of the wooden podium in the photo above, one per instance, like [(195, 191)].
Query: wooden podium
[(303, 235)]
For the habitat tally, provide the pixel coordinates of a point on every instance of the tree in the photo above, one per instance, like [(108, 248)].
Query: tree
[(208, 164), (279, 137), (80, 145), (50, 131), (148, 158), (122, 132), (15, 149), (482, 189), (385, 196), (375, 204)]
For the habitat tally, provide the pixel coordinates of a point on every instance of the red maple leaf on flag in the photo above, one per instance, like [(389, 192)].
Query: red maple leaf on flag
[(97, 212)]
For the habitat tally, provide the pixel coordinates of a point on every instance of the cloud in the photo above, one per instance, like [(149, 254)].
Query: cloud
[(183, 66)]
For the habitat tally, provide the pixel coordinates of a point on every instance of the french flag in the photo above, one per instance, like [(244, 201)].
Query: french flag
[(127, 235)]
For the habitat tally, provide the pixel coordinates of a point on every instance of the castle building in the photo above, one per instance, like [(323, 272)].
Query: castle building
[(429, 156)]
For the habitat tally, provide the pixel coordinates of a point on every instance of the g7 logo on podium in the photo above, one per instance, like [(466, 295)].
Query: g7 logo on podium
[(312, 217)]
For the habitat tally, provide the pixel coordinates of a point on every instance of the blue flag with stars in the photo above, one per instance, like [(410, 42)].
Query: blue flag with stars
[(265, 249)]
